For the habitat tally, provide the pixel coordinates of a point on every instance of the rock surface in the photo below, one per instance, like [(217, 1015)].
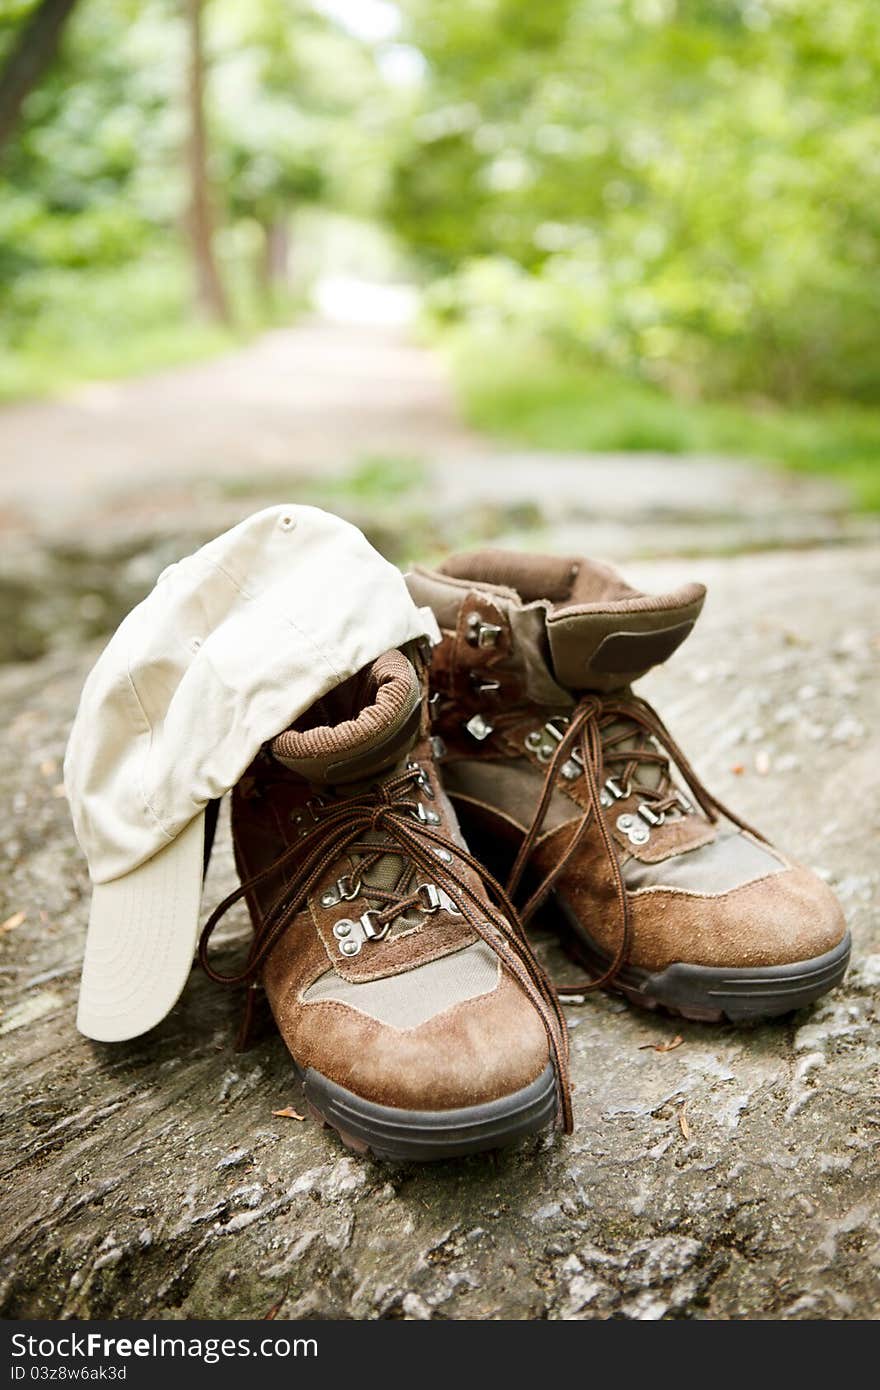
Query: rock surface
[(733, 1176)]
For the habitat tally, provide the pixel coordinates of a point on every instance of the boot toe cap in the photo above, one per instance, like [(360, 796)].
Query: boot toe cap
[(787, 917), (479, 1050)]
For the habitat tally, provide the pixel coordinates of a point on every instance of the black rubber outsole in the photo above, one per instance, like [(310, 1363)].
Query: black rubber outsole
[(715, 994), (402, 1136)]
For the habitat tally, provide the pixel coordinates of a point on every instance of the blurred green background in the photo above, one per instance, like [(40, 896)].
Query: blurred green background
[(634, 224)]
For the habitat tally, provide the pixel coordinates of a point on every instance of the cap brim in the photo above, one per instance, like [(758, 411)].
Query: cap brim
[(141, 940)]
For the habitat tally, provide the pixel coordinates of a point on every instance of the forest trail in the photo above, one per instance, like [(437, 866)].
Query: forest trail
[(310, 399), (316, 400)]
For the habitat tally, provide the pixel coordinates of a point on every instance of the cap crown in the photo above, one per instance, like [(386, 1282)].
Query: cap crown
[(232, 644)]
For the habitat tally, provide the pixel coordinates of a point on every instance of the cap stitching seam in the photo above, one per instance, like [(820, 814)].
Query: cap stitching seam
[(252, 597), (141, 783)]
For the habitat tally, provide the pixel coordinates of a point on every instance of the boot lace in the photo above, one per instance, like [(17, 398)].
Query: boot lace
[(625, 734)]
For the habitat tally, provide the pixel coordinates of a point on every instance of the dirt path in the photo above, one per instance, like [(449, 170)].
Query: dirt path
[(315, 400)]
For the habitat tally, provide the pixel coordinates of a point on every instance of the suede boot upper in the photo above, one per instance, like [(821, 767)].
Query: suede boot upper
[(540, 652), (389, 969)]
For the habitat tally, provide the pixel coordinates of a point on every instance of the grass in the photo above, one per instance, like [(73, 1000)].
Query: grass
[(521, 391), (86, 324), (377, 479), (43, 372), (389, 497)]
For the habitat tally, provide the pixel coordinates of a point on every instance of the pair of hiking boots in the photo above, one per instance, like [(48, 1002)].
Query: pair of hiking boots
[(395, 962)]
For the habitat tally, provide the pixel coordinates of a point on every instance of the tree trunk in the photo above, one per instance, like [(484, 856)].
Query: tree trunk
[(275, 257), (30, 57), (209, 288)]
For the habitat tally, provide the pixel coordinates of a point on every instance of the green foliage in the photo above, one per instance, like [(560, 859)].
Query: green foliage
[(383, 478), (520, 390), (75, 324), (683, 189), (661, 205), (287, 86), (93, 191)]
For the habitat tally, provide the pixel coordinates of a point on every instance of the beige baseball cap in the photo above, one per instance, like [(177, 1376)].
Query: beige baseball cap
[(231, 646)]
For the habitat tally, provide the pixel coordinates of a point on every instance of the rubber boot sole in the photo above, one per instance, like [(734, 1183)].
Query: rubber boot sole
[(404, 1136), (715, 994), (709, 994)]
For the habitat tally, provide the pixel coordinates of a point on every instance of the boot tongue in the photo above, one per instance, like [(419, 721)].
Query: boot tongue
[(362, 728)]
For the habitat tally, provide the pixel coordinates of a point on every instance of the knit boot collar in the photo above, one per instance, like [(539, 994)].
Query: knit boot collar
[(361, 728)]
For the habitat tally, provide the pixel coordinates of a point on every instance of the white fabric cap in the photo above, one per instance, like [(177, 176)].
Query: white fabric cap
[(232, 645)]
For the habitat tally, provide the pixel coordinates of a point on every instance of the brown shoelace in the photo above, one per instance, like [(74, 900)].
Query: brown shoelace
[(594, 735), (340, 828)]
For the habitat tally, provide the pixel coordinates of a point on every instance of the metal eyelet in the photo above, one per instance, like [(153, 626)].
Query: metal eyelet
[(423, 781), (543, 742), (648, 814), (425, 814), (435, 898), (484, 685), (615, 790), (343, 928), (369, 930), (347, 888), (634, 829), (350, 947), (573, 766), (480, 633), (479, 728)]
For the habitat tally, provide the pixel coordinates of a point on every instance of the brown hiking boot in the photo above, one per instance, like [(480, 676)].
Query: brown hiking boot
[(417, 1017), (563, 780)]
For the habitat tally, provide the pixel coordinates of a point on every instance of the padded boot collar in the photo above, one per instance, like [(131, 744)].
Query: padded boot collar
[(379, 726), (598, 632), (604, 646)]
